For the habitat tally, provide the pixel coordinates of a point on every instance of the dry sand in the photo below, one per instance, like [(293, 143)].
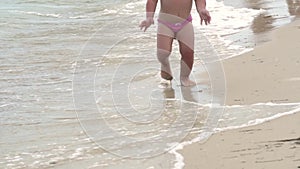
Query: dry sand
[(269, 73)]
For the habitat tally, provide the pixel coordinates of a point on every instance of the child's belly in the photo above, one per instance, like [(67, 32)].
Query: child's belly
[(176, 8)]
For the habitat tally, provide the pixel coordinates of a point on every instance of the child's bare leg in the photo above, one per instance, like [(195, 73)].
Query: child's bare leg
[(186, 45), (164, 47), (186, 65), (165, 70)]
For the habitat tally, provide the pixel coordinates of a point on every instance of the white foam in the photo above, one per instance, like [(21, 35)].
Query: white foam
[(259, 121), (38, 13), (5, 105), (267, 104), (278, 104), (78, 152), (108, 11), (179, 158), (226, 20), (131, 7)]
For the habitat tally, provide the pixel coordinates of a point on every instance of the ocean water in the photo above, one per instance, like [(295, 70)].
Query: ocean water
[(80, 85)]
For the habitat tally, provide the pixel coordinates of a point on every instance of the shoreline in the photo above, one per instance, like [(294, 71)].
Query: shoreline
[(269, 73), (258, 146)]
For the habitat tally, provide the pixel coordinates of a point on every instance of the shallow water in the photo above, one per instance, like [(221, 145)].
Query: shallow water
[(80, 85)]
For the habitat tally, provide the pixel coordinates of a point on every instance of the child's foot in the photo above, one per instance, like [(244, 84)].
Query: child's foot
[(165, 75), (186, 81)]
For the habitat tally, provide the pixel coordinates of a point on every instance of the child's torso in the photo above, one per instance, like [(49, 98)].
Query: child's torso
[(176, 8)]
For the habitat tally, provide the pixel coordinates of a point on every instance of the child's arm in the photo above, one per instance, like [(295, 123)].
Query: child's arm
[(204, 14), (150, 10)]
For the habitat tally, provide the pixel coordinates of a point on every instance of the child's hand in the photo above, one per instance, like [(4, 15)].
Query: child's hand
[(205, 16), (146, 23)]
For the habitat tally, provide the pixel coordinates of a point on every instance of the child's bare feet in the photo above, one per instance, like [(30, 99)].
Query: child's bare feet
[(186, 81), (165, 75)]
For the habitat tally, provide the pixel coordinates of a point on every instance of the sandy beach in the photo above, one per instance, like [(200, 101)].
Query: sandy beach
[(271, 145), (269, 73), (80, 87)]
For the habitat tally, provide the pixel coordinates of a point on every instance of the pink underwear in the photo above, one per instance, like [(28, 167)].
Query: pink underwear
[(176, 27)]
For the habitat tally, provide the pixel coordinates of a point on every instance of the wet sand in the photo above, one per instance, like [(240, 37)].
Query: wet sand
[(273, 15), (269, 73), (271, 145)]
